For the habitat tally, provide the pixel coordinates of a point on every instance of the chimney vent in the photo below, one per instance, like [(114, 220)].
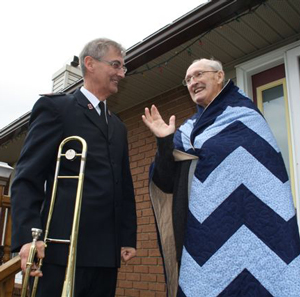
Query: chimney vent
[(67, 75)]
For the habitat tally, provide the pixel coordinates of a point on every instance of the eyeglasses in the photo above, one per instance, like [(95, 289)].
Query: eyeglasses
[(188, 80), (114, 64)]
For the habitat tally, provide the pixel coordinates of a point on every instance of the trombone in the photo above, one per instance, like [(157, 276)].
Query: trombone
[(68, 286)]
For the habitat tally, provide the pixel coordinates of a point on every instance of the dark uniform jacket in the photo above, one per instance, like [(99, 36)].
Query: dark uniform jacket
[(108, 216)]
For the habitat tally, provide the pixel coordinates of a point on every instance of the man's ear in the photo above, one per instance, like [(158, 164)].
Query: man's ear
[(221, 76), (89, 63)]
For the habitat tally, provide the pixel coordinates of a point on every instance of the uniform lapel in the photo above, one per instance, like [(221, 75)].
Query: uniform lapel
[(90, 111)]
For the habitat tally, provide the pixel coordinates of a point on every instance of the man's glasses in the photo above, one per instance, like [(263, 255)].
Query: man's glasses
[(114, 64), (188, 80)]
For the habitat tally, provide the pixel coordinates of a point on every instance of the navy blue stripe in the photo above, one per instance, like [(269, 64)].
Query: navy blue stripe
[(217, 148), (245, 285), (228, 97), (242, 207), (180, 293)]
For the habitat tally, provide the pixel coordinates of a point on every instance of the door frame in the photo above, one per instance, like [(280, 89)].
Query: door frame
[(259, 90), (289, 55)]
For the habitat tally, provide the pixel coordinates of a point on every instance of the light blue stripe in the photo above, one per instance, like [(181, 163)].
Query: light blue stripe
[(240, 167), (242, 251), (186, 131), (247, 116)]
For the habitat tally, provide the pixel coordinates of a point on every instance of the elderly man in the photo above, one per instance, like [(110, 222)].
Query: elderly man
[(107, 230), (235, 228)]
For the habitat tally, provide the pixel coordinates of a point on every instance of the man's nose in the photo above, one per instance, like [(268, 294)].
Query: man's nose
[(193, 81), (121, 73)]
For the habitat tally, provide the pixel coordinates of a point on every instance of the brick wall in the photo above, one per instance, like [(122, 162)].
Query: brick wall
[(143, 276)]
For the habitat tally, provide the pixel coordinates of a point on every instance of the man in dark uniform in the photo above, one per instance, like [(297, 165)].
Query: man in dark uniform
[(107, 230)]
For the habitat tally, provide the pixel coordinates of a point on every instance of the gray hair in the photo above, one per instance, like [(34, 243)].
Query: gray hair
[(214, 64), (97, 48)]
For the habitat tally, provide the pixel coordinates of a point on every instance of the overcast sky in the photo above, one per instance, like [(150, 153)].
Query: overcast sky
[(39, 37)]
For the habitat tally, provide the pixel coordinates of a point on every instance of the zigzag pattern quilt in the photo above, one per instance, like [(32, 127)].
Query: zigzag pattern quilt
[(241, 236)]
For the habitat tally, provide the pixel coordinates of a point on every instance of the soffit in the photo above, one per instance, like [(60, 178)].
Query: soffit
[(254, 32)]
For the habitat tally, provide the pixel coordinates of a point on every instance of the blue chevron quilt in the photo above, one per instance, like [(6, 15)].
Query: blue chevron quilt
[(241, 236)]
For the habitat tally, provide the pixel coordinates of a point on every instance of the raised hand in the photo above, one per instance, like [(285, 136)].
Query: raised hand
[(156, 124)]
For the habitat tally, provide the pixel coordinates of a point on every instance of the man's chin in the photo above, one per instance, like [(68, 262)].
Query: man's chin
[(198, 100), (114, 90)]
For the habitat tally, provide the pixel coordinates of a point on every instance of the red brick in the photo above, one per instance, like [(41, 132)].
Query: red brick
[(146, 148), (160, 294), (147, 212), (152, 219), (133, 152), (148, 228), (150, 154), (143, 205), (135, 261), (147, 197), (133, 276), (147, 294), (154, 253), (157, 287), (138, 184), (137, 170), (149, 261), (148, 277), (139, 198), (140, 285), (133, 165), (125, 284), (137, 157), (127, 268), (144, 176), (139, 143), (148, 244), (145, 162), (121, 276), (120, 292), (142, 253), (143, 221), (132, 293), (156, 269), (142, 190), (161, 278), (141, 269)]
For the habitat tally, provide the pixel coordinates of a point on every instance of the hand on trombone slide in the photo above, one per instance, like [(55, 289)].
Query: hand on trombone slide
[(40, 254)]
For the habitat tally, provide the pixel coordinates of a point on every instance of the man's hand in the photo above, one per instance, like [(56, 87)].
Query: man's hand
[(24, 253), (127, 253), (156, 124)]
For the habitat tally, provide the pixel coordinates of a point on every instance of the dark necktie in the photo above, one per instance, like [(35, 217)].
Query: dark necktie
[(103, 117)]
